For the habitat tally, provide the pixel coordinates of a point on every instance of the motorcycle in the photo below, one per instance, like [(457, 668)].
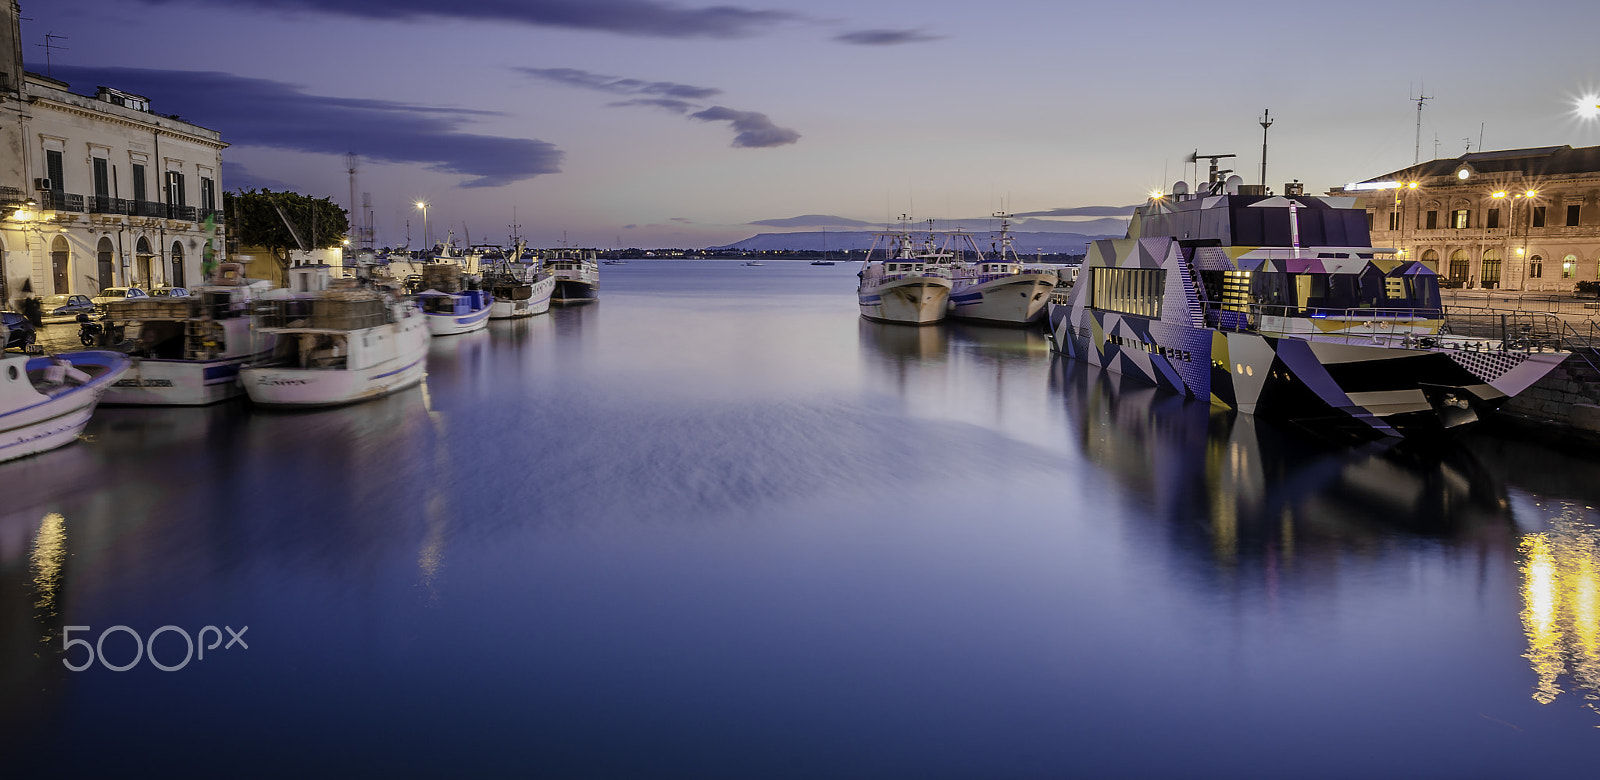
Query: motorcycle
[(89, 331)]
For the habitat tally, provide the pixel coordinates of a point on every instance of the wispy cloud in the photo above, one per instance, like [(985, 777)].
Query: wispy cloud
[(813, 220), (584, 79), (754, 129), (642, 18), (881, 37), (751, 128), (261, 112), (238, 177), (1082, 211)]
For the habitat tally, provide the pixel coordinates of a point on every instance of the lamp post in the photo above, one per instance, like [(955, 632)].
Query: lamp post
[(1522, 249), (422, 204)]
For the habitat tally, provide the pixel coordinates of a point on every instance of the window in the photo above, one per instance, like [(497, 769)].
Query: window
[(1568, 264), (1458, 267), (208, 193), (1370, 217), (1536, 267), (1433, 221), (1492, 219), (138, 182), (55, 170), (1491, 269), (1460, 219), (175, 193), (1572, 215), (1538, 216), (102, 178), (1394, 220), (1135, 291)]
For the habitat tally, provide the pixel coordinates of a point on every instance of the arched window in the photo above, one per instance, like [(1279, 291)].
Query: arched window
[(142, 255), (1430, 258), (1535, 267), (106, 255), (1568, 265), (177, 265), (1491, 269), (60, 265), (1458, 268)]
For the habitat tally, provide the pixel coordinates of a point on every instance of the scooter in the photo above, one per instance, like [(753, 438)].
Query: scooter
[(89, 331)]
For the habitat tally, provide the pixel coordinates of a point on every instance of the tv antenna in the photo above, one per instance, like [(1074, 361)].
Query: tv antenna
[(49, 45), (1421, 99), (1266, 122)]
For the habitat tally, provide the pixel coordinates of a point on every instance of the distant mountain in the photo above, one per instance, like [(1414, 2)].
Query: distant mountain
[(1025, 242)]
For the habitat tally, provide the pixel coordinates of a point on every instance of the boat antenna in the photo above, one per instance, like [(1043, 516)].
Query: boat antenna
[(1266, 122), (1421, 99)]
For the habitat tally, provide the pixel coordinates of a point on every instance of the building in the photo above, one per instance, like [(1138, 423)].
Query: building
[(1517, 219), (98, 191)]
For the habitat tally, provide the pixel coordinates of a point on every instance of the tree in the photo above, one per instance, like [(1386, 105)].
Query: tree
[(253, 219)]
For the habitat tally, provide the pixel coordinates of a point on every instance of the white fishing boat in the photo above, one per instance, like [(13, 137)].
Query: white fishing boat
[(45, 401), (335, 346), (186, 351), (1280, 306), (902, 283), (448, 314), (998, 289), (577, 275), (520, 285)]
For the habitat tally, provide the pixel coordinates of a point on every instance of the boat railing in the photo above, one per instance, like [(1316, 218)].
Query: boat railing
[(1225, 315), (1495, 332)]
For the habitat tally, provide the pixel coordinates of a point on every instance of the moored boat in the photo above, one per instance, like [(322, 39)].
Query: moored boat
[(1280, 306), (577, 275), (335, 346), (999, 289), (520, 286), (900, 285), (45, 401), (448, 314)]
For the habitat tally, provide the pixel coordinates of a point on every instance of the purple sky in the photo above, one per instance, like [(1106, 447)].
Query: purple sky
[(651, 123)]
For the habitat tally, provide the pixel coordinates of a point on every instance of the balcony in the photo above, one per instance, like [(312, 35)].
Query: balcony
[(104, 204), (186, 213), (50, 200)]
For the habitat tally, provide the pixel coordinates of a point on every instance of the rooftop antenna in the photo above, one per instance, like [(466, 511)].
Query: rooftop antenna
[(48, 45), (1421, 99), (350, 165), (1468, 139), (1480, 135), (1266, 122), (1214, 177)]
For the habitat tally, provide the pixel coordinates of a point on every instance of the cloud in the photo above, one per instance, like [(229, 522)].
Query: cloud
[(238, 177), (642, 18), (885, 37), (754, 129), (1082, 211), (813, 220), (681, 220), (261, 112), (583, 79), (670, 104)]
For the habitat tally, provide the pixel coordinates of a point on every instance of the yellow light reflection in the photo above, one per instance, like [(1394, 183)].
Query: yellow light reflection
[(49, 554), (1561, 609)]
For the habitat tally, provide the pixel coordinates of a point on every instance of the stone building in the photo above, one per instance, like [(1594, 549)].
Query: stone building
[(98, 191), (1517, 219)]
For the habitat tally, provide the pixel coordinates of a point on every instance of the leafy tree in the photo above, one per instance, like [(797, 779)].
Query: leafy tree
[(254, 221)]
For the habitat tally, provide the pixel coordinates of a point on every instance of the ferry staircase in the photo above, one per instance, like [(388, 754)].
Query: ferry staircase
[(1197, 315)]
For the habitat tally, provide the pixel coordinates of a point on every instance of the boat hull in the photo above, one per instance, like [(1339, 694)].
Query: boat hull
[(289, 386), (454, 324), (45, 421), (920, 300), (538, 303), (1013, 300), (152, 382), (574, 291)]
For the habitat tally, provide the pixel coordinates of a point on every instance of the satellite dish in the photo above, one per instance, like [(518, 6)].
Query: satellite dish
[(1231, 186), (1180, 188)]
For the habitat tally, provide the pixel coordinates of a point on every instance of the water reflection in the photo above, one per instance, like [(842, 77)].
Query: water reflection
[(49, 554), (1561, 607)]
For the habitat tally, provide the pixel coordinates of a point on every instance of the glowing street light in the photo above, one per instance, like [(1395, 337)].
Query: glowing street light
[(1588, 107), (422, 204)]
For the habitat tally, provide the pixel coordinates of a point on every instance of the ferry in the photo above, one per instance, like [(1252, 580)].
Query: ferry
[(335, 343), (903, 283), (999, 289), (1278, 305)]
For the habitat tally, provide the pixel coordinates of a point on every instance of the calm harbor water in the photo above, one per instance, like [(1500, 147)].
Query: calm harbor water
[(717, 526)]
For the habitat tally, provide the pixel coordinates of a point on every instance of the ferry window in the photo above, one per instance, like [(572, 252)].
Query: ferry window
[(1433, 221), (1536, 267), (1394, 288), (1236, 291), (1538, 216), (1493, 219), (1460, 219), (1135, 291), (1568, 263), (1572, 215)]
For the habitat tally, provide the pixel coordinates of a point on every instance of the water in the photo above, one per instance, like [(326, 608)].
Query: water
[(717, 526)]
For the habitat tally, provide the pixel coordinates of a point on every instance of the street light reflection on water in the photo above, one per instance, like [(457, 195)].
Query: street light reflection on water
[(715, 525)]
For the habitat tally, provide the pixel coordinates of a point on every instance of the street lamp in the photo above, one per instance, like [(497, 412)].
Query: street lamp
[(422, 204)]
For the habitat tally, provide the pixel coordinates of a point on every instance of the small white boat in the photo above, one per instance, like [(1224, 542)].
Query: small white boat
[(520, 285), (1000, 289), (752, 262), (899, 285), (335, 346), (577, 275), (448, 314), (187, 351), (46, 401)]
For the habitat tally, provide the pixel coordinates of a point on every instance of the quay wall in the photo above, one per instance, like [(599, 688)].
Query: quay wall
[(1560, 399)]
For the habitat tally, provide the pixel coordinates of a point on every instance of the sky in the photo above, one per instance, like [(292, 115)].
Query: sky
[(657, 123)]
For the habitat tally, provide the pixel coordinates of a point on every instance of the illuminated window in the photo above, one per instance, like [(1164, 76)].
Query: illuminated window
[(1568, 263), (1236, 291), (1460, 219), (1135, 291)]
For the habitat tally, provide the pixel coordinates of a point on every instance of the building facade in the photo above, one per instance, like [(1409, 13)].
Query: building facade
[(98, 191), (1516, 219)]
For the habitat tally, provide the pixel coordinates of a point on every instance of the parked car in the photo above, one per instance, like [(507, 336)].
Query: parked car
[(19, 331), (168, 291), (110, 294), (66, 305)]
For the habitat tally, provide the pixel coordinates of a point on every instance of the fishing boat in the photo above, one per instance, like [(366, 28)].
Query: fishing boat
[(520, 285), (1278, 305), (577, 275), (999, 289), (335, 343), (45, 401), (186, 351), (450, 302), (901, 282)]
